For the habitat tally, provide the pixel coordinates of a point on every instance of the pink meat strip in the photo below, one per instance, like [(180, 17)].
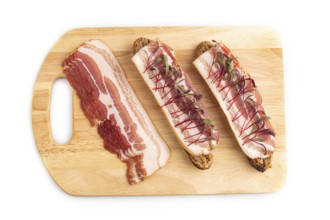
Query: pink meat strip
[(109, 102)]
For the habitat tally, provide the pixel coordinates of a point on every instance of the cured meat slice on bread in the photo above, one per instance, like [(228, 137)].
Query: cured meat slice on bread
[(108, 101), (178, 98), (240, 100)]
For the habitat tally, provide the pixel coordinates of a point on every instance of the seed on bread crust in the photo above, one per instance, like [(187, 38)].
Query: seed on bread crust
[(203, 47)]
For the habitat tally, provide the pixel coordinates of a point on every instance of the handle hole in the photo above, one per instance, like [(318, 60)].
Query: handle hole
[(61, 111)]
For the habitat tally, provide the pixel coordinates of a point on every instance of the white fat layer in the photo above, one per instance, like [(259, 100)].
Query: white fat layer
[(250, 149), (156, 152), (133, 173), (195, 148)]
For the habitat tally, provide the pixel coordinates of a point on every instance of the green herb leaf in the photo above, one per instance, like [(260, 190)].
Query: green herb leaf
[(211, 143), (258, 139), (226, 76), (217, 65), (230, 63), (230, 60), (180, 81), (167, 67), (220, 59), (232, 76), (208, 122), (269, 131), (217, 44), (159, 59), (187, 92), (251, 101), (175, 68), (264, 117), (242, 83), (254, 128)]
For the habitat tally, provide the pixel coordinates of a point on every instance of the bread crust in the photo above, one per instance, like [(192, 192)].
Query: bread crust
[(140, 43), (203, 47), (261, 164), (202, 161)]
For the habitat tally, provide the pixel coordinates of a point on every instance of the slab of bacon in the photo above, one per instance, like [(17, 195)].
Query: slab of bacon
[(178, 98), (240, 100), (109, 102)]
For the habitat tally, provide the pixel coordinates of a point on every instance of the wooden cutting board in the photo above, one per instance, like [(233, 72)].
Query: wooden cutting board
[(83, 167)]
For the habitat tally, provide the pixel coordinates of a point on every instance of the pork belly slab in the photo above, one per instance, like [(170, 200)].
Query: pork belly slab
[(178, 98), (108, 101), (239, 98)]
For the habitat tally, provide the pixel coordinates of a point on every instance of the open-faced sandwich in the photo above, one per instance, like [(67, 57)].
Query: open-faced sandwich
[(178, 98), (240, 100)]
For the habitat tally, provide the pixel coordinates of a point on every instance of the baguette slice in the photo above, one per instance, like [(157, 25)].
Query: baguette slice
[(178, 99), (240, 100)]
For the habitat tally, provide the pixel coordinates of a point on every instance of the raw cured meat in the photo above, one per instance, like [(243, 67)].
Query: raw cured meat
[(109, 102)]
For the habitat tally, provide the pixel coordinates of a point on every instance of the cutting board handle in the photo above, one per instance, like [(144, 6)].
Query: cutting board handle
[(41, 106)]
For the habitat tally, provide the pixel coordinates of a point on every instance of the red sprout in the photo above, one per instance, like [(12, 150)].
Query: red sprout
[(166, 75), (228, 78)]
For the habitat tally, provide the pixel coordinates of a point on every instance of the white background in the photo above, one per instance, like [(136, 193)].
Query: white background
[(28, 29)]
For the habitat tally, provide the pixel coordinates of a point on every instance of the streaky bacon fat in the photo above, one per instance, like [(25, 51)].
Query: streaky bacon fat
[(108, 101)]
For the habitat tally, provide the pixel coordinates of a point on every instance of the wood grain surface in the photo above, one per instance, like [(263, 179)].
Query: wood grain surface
[(84, 167)]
